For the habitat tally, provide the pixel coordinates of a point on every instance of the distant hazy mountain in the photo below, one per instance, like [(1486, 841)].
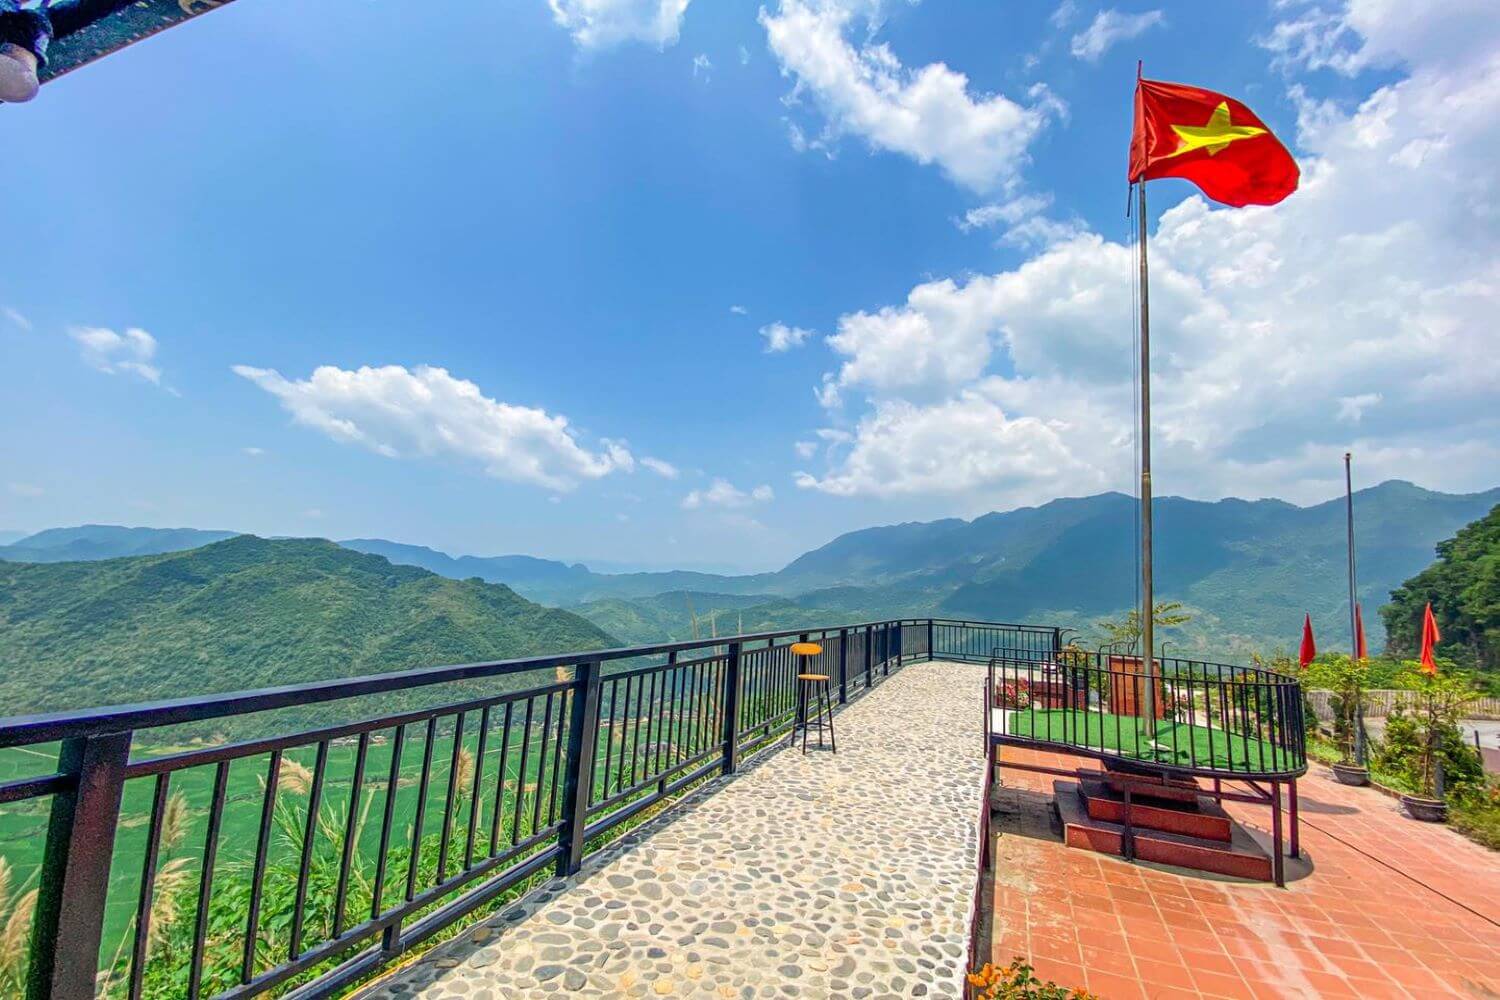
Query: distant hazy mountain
[(6, 537), (1247, 569), (548, 580), (247, 613), (105, 541)]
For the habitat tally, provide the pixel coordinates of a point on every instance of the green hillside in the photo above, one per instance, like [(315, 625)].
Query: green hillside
[(248, 613), (1463, 586), (1247, 570)]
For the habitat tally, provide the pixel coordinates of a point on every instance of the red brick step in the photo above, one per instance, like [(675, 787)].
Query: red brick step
[(1242, 857), (1204, 819)]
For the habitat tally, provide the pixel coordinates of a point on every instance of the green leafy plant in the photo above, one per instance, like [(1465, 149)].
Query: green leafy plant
[(1127, 631), (1017, 981), (1347, 679), (1431, 737)]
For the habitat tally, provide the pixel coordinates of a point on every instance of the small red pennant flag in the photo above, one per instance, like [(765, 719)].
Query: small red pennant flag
[(1430, 638), (1360, 651), (1309, 647)]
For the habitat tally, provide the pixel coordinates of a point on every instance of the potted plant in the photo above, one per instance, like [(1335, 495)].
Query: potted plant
[(1344, 677), (1438, 703)]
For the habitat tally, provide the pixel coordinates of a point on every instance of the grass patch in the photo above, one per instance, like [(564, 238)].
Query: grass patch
[(1170, 742)]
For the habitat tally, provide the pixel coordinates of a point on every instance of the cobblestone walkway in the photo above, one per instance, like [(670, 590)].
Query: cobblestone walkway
[(846, 875)]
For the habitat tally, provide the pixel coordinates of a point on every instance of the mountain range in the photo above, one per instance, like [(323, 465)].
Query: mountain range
[(250, 612), (1247, 569)]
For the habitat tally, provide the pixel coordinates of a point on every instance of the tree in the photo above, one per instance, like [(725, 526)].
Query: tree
[(1127, 631), (1463, 586)]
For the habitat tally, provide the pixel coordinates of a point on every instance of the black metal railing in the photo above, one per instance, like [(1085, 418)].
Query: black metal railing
[(1182, 715), (309, 859)]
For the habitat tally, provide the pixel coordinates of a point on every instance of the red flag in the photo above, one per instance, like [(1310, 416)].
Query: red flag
[(1210, 139), (1360, 652), (1309, 648), (1430, 638)]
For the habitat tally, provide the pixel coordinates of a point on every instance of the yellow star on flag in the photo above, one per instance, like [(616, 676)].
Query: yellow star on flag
[(1214, 136)]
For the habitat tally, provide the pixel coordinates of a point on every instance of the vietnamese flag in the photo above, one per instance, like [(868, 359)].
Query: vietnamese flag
[(1360, 652), (1430, 638), (1210, 139), (1309, 648)]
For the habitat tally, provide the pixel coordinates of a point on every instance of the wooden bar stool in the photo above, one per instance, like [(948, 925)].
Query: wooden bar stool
[(812, 688)]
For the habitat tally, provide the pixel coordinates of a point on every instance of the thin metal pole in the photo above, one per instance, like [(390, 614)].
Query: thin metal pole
[(1148, 637), (1359, 714)]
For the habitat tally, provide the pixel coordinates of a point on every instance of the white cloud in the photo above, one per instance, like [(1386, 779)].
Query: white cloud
[(805, 449), (744, 56), (427, 412), (1352, 408), (1275, 330), (664, 469), (598, 24), (29, 491), (702, 66), (958, 446), (312, 513), (929, 114), (130, 353), (1356, 35), (1064, 14), (1007, 212), (722, 493), (1111, 26), (780, 337), (17, 318), (253, 451), (739, 310), (1021, 222)]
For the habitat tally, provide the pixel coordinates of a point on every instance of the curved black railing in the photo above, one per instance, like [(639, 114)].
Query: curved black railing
[(1184, 716), (308, 858)]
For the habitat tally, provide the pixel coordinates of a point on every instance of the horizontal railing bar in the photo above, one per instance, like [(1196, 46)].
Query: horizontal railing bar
[(716, 752), (372, 958), (621, 815), (34, 788), (249, 748), (351, 937), (20, 730), (657, 667)]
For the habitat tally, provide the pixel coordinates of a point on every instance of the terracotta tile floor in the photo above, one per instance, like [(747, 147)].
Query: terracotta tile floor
[(1382, 907)]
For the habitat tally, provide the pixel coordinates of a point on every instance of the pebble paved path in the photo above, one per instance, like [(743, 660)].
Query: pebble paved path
[(823, 876)]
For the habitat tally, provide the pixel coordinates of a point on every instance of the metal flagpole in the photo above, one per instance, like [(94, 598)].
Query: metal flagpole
[(1359, 710), (1147, 607)]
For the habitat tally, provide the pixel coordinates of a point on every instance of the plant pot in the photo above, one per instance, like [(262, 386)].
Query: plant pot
[(1426, 810), (1351, 774)]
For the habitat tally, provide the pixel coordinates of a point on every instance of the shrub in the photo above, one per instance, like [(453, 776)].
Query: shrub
[(1016, 981), (1347, 679), (1013, 695), (1475, 812)]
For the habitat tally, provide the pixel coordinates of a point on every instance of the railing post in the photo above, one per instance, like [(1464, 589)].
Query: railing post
[(931, 648), (843, 666), (869, 655), (74, 877), (583, 742), (732, 710)]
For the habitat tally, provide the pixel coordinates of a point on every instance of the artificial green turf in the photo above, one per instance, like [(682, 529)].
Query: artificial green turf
[(1176, 742)]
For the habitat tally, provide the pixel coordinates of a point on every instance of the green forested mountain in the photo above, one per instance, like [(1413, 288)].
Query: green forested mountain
[(105, 541), (1247, 570), (1463, 586), (247, 613)]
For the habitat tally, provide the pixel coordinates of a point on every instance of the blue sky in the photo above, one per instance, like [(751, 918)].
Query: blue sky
[(518, 293)]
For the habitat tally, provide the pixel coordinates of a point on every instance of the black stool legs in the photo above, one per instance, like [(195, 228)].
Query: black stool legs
[(813, 694)]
